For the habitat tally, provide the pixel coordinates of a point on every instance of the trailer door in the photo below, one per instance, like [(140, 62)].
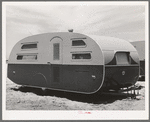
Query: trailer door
[(56, 59)]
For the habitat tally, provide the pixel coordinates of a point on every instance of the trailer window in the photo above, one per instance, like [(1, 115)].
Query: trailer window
[(29, 46), (56, 51), (78, 43), (122, 58), (81, 56), (27, 57)]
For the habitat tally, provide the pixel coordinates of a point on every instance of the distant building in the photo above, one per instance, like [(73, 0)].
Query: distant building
[(140, 47)]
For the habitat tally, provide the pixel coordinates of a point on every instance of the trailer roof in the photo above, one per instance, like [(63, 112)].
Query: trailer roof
[(111, 43)]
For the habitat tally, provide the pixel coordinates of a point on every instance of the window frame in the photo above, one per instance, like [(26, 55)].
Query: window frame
[(78, 60), (79, 46), (27, 54), (118, 58), (58, 51), (28, 43)]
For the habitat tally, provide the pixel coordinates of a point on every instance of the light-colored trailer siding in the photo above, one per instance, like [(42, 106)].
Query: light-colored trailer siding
[(91, 47), (40, 51), (101, 49), (45, 53)]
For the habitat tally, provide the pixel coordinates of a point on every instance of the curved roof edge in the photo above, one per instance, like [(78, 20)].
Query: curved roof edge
[(112, 43)]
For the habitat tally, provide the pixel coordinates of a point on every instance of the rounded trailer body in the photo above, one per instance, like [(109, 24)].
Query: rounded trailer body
[(73, 62)]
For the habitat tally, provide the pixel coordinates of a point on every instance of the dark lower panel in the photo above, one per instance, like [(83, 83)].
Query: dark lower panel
[(142, 68), (120, 76), (29, 74), (83, 78), (73, 78)]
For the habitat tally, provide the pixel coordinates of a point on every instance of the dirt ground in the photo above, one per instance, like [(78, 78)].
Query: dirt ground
[(27, 98)]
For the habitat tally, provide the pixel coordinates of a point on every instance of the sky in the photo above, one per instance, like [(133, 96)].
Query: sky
[(122, 21)]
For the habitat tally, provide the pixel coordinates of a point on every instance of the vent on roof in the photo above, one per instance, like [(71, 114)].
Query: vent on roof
[(70, 30)]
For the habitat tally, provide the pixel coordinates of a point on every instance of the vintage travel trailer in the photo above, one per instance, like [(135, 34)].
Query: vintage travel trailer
[(140, 47), (73, 62)]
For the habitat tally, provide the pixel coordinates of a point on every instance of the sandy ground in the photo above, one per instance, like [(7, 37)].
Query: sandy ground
[(26, 98)]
